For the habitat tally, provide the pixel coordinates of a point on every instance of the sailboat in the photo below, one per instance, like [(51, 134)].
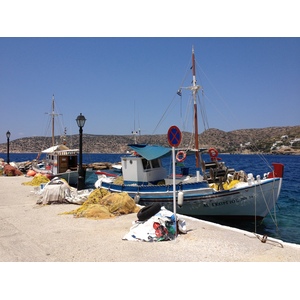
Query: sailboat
[(215, 190), (60, 161)]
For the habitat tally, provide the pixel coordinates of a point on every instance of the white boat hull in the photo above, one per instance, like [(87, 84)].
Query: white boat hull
[(71, 177), (244, 201)]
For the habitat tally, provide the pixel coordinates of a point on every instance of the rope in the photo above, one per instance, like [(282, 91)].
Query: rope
[(225, 115), (255, 197), (265, 239), (274, 221), (172, 101)]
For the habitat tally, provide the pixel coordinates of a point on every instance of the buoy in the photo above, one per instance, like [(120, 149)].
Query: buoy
[(213, 153), (31, 173), (180, 198), (181, 156), (137, 198)]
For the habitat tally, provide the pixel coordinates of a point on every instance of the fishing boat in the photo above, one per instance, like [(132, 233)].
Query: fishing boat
[(117, 167), (60, 161), (215, 190)]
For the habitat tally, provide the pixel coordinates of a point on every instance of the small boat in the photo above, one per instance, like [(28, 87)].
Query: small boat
[(215, 190), (117, 167), (60, 161)]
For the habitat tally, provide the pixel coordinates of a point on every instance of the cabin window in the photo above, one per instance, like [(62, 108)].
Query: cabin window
[(72, 161), (146, 164), (155, 163)]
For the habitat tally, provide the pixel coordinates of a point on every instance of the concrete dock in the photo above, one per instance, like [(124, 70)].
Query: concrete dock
[(33, 233)]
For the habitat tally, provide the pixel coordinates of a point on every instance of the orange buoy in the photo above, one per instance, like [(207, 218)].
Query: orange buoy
[(213, 153), (31, 173), (181, 156)]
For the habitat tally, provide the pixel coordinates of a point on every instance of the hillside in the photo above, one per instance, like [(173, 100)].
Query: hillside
[(280, 139)]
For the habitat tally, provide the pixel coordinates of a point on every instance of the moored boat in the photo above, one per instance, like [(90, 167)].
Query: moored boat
[(60, 161), (214, 190), (219, 192)]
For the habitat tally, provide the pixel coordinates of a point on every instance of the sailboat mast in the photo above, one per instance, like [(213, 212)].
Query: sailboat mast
[(195, 88), (52, 117)]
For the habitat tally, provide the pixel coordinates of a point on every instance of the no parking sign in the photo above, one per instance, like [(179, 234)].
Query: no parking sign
[(174, 136), (174, 139)]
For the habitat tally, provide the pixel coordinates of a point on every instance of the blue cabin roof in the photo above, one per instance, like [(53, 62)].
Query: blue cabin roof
[(150, 151)]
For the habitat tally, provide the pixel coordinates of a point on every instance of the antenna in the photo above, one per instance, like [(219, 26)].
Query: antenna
[(135, 132)]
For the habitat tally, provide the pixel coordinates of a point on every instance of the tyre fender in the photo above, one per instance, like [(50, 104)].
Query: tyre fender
[(148, 211)]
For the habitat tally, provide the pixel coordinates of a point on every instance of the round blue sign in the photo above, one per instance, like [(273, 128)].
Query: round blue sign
[(174, 136)]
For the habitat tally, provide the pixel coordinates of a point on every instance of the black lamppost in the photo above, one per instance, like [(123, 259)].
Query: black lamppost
[(81, 176), (8, 136)]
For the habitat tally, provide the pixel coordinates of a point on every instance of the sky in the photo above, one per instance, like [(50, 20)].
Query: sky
[(125, 82)]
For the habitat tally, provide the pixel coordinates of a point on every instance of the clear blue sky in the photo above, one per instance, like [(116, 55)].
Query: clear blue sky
[(121, 83)]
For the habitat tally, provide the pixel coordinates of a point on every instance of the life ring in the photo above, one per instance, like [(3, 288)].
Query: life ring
[(181, 156), (213, 153), (148, 211)]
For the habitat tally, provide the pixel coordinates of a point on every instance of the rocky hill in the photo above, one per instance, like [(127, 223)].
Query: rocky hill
[(268, 140)]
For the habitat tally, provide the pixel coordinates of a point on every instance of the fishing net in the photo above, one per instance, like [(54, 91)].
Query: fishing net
[(11, 171), (102, 204), (37, 180), (119, 180), (225, 186)]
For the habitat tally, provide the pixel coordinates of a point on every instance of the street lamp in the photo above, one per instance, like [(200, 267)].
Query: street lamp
[(81, 174), (8, 136)]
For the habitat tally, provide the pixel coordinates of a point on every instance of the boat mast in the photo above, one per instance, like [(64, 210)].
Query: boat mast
[(53, 115), (195, 89)]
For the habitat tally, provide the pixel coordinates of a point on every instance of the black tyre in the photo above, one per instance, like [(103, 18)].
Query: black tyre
[(148, 211)]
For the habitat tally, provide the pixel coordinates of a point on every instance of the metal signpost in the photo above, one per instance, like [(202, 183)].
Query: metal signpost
[(174, 139)]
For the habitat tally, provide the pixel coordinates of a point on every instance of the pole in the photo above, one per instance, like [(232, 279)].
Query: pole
[(195, 90), (81, 179), (174, 189), (8, 150), (52, 116)]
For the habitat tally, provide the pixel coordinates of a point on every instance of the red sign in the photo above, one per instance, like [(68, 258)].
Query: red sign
[(174, 136)]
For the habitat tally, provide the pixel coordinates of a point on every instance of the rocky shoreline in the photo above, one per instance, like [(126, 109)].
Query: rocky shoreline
[(273, 140)]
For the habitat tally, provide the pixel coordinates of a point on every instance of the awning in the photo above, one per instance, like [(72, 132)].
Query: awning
[(154, 151), (150, 151), (55, 148)]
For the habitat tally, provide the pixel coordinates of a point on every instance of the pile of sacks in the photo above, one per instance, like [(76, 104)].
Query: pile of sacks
[(155, 224)]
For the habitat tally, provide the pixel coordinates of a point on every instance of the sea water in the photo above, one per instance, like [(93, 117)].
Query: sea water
[(283, 224)]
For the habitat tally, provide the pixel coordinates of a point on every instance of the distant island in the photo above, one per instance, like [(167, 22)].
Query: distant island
[(276, 140)]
